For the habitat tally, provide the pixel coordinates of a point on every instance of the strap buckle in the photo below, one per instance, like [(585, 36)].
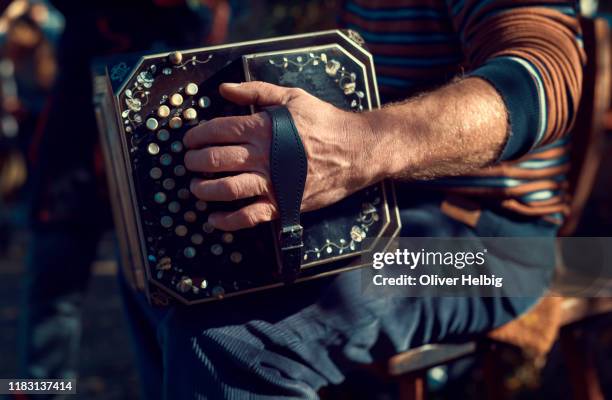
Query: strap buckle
[(290, 237)]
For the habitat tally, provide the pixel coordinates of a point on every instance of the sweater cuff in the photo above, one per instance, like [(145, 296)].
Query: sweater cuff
[(519, 91)]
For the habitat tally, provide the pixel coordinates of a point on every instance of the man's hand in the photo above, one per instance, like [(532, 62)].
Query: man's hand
[(338, 146)]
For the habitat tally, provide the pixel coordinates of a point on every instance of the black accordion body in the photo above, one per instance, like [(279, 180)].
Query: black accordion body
[(144, 106)]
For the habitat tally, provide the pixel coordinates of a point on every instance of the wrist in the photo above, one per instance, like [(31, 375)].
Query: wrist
[(390, 136)]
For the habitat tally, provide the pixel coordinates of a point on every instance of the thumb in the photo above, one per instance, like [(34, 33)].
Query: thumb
[(255, 93)]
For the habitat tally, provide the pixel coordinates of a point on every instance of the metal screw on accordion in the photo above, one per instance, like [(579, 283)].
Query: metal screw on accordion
[(179, 170), (189, 252), (180, 230), (176, 99), (164, 264), (163, 135), (190, 114), (203, 284), (236, 257), (163, 111), (175, 57), (191, 89), (153, 148), (168, 184), (155, 173), (166, 221), (152, 124), (204, 102), (175, 122), (216, 249), (185, 284)]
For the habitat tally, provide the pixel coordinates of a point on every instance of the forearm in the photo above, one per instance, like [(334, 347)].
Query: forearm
[(450, 131)]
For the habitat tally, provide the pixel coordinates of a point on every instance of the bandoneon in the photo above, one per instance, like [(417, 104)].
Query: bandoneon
[(144, 106)]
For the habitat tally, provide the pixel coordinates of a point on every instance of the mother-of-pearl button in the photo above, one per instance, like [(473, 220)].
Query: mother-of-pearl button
[(191, 89), (176, 99)]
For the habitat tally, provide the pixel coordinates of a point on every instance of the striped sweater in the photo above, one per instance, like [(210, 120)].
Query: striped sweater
[(529, 50)]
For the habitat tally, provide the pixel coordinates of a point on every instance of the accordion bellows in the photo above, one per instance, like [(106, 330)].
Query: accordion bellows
[(145, 104)]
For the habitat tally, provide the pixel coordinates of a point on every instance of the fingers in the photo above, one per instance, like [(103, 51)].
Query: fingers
[(247, 217), (227, 130), (256, 93), (225, 159), (230, 188)]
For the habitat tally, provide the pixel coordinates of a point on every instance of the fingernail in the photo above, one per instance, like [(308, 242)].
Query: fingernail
[(232, 85)]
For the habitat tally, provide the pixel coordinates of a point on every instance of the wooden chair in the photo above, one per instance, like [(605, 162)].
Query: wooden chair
[(410, 368)]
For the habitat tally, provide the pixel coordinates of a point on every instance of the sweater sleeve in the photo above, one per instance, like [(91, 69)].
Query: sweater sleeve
[(531, 52)]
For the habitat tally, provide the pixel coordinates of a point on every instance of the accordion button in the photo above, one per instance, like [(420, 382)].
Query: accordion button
[(179, 170), (201, 205), (218, 291), (207, 227), (203, 284), (176, 99), (153, 148), (216, 249), (160, 197), (163, 135), (152, 124), (163, 111), (190, 216), (227, 237), (236, 257), (175, 57), (168, 184), (189, 252), (183, 194), (176, 147), (155, 173), (185, 284), (204, 102), (166, 221), (190, 114), (165, 159), (191, 89), (181, 230), (175, 122), (174, 207), (197, 239)]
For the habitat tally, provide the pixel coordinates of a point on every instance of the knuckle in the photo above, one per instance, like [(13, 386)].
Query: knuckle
[(212, 159), (230, 188)]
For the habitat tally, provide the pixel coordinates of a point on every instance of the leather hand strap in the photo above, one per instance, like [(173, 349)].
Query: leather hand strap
[(288, 168)]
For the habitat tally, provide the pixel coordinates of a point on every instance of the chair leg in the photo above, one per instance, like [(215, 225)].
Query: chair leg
[(580, 365), (412, 386)]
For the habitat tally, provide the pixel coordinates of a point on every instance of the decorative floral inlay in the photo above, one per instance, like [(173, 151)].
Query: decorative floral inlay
[(138, 95), (193, 61), (347, 81), (367, 217)]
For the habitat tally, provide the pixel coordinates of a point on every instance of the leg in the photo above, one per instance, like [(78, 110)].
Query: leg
[(288, 343)]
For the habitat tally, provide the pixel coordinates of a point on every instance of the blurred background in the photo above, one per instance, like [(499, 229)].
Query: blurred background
[(29, 34)]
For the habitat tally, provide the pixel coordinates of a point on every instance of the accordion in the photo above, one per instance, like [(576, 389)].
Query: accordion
[(145, 104)]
